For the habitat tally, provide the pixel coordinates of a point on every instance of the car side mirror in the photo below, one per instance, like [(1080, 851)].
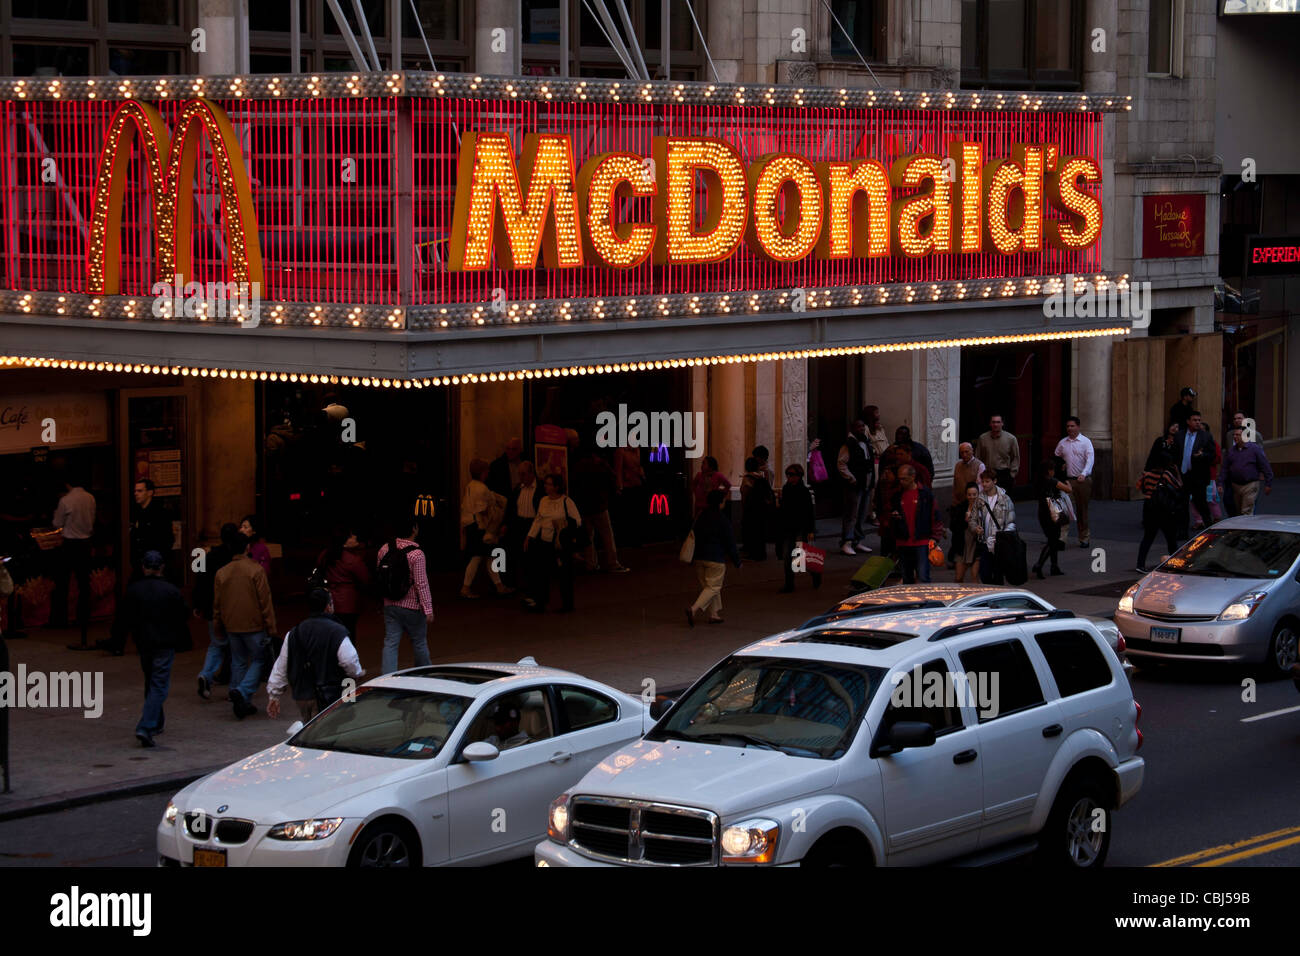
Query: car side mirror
[(293, 729), (902, 735), (480, 751), (660, 706)]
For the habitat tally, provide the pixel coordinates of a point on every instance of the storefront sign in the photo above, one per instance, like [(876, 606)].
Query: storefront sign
[(1272, 255), (77, 419), (1173, 226)]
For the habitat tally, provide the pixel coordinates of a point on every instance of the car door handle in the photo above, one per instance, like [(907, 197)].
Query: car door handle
[(560, 757), (966, 756), (1053, 730)]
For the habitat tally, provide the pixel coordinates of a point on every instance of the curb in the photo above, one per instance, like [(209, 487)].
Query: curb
[(67, 800)]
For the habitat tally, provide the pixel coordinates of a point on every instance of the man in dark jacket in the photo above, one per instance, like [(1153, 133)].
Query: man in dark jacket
[(218, 657), (316, 657), (151, 530), (915, 521), (1194, 456), (153, 612), (715, 544), (798, 523)]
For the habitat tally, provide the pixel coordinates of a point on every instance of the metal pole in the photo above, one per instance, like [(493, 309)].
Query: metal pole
[(703, 42), (851, 43), (364, 24), (632, 38), (295, 39), (395, 29), (564, 38), (665, 44), (615, 44), (423, 39), (348, 38), (241, 37)]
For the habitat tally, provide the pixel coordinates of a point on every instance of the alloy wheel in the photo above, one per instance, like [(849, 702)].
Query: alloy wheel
[(1285, 652), (385, 849), (1083, 842)]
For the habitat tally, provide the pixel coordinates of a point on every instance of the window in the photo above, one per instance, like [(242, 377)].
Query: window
[(585, 708), (513, 720), (590, 52), (97, 37), (910, 702), (863, 23), (1005, 669), (51, 9), (1076, 661), (386, 722), (1236, 553), (1022, 44), (1017, 603), (1165, 38)]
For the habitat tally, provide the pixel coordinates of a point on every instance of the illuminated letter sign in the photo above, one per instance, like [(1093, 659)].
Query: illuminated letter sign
[(171, 163), (677, 161), (659, 504), (492, 212), (934, 204), (603, 179), (788, 237), (1013, 208), (857, 213), (1084, 210)]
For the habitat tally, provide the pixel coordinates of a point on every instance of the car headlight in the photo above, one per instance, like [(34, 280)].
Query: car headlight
[(170, 814), (557, 819), (305, 829), (1126, 602), (750, 841), (1243, 607)]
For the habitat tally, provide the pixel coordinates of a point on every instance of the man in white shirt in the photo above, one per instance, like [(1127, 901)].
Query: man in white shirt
[(315, 658), (1079, 457), (75, 514)]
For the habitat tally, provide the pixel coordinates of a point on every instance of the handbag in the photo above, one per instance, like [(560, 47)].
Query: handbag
[(936, 554), (814, 558), (687, 553), (817, 466), (573, 537), (1009, 552)]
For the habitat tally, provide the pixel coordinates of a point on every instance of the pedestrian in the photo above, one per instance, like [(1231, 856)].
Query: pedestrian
[(972, 521), (257, 549), (715, 544), (630, 494), (316, 657), (1053, 519), (482, 520), (965, 473), (521, 509), (764, 458), (708, 479), (343, 570), (1182, 409), (756, 503), (153, 613), (915, 521), (920, 455), (1000, 452), (1077, 451), (997, 514), (594, 487), (885, 491), (75, 514), (408, 607), (1195, 456), (242, 610), (503, 473), (879, 442), (1161, 487), (855, 467), (150, 530), (797, 523), (1244, 465), (900, 455), (1213, 493), (217, 658), (553, 541)]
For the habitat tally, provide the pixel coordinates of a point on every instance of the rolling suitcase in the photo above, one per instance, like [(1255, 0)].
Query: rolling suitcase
[(873, 573)]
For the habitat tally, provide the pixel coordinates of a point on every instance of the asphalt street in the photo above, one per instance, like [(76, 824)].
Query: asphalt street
[(1219, 790)]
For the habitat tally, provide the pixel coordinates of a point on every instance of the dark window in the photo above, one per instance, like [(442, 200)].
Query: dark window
[(134, 61), (38, 59), (512, 720), (1022, 44), (1007, 662), (910, 702), (146, 11), (439, 18), (1018, 603), (1076, 661), (863, 23), (275, 16), (585, 708), (376, 12), (51, 9), (1160, 25)]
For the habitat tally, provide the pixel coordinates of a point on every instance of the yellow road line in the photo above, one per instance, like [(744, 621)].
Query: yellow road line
[(1228, 847), (1244, 854)]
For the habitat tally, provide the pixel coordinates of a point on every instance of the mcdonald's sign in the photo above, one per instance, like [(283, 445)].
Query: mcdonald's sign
[(172, 162), (659, 504), (425, 506)]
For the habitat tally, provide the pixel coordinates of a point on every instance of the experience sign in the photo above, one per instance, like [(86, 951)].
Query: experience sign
[(706, 201)]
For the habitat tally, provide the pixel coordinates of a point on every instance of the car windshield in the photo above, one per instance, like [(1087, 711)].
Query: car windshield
[(1236, 553), (804, 708), (386, 722)]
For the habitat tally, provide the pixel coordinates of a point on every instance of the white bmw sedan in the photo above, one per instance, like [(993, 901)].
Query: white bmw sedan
[(448, 764)]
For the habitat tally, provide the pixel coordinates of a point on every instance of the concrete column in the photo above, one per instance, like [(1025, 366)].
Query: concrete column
[(767, 407), (1093, 364), (226, 39), (938, 393), (728, 26), (489, 17), (794, 416), (727, 419)]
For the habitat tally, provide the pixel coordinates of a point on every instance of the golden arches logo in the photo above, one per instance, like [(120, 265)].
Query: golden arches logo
[(172, 163)]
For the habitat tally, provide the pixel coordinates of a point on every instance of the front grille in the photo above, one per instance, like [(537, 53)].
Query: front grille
[(198, 825), (234, 832), (1176, 618), (643, 832), (1163, 647)]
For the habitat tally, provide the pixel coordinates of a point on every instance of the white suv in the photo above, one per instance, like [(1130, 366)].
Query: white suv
[(905, 738)]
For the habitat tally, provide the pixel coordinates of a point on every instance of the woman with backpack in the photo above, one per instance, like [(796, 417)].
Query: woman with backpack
[(342, 571), (553, 541), (482, 520), (1161, 484)]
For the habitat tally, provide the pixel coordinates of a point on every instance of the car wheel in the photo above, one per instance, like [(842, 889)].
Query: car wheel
[(1282, 650), (843, 847), (384, 844), (1077, 834)]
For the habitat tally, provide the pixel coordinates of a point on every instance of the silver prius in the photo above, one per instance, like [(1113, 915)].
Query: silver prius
[(1232, 593)]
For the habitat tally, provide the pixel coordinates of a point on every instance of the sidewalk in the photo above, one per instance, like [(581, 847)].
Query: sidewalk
[(627, 629)]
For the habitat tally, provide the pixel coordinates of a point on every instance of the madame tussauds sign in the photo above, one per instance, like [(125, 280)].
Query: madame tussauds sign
[(706, 201)]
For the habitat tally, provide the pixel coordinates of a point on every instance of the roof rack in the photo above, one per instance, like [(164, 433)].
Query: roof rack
[(867, 640), (832, 617), (1016, 617)]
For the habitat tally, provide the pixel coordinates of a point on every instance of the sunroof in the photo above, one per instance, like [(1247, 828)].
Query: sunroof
[(869, 640), (862, 610), (464, 675)]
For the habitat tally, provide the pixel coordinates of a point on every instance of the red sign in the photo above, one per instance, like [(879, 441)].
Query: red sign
[(1173, 226)]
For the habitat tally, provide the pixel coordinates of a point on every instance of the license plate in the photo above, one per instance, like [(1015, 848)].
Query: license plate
[(209, 857), (1166, 635)]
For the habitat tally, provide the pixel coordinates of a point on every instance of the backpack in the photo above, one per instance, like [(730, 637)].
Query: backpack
[(393, 575)]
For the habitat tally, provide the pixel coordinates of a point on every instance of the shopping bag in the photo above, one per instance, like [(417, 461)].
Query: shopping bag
[(873, 573), (814, 558), (687, 554), (817, 467)]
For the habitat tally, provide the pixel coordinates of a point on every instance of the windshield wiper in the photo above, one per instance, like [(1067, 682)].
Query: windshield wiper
[(743, 738)]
